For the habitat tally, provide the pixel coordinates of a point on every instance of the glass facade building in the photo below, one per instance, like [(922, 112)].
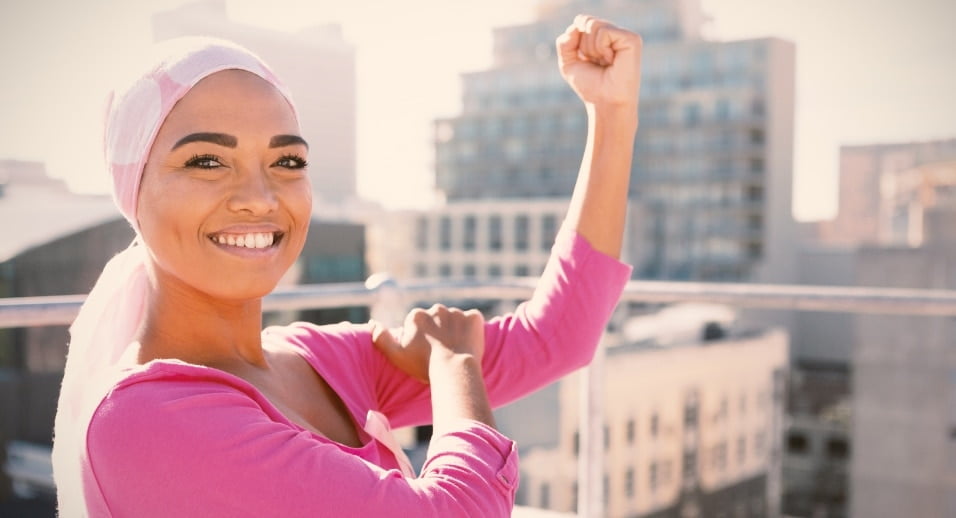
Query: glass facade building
[(713, 156)]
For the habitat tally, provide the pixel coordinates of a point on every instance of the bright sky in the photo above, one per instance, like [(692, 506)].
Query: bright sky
[(867, 71)]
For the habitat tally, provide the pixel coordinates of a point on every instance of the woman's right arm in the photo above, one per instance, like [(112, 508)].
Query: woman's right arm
[(188, 448), (443, 347)]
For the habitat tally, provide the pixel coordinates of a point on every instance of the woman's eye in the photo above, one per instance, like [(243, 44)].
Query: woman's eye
[(204, 162), (292, 162)]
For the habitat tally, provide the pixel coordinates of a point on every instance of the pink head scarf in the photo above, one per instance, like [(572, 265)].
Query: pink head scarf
[(116, 306)]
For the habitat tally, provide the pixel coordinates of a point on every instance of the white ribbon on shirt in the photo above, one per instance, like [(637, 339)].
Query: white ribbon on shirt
[(377, 425)]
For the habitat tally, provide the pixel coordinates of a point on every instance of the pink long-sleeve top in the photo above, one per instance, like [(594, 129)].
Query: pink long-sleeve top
[(175, 439)]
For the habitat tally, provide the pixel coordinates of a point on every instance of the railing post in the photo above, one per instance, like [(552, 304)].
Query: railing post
[(591, 461), (389, 307)]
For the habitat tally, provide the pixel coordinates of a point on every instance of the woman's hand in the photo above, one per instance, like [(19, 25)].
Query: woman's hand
[(601, 62), (439, 333)]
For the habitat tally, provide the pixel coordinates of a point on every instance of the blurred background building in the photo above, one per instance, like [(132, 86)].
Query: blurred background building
[(713, 163), (696, 433), (874, 394)]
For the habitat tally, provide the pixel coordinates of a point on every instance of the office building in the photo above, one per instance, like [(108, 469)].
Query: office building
[(713, 156)]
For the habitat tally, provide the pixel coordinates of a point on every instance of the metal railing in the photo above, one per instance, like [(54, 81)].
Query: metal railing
[(389, 301)]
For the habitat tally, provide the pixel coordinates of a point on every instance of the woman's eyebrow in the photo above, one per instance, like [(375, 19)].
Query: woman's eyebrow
[(221, 139), (287, 140)]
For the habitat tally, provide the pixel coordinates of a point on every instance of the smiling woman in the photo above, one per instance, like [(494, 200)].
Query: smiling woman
[(234, 180), (175, 401)]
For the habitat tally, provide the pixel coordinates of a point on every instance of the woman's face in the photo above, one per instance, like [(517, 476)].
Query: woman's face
[(225, 199)]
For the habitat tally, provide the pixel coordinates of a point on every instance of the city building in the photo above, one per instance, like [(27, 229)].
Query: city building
[(304, 61), (891, 230), (866, 173), (692, 428), (910, 194), (816, 443), (904, 385), (488, 238), (713, 161)]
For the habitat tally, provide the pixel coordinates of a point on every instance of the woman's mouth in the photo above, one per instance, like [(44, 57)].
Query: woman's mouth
[(252, 240)]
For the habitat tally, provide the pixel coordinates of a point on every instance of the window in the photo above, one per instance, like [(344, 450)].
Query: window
[(652, 476), (722, 110), (837, 448), (469, 270), (421, 233), (631, 429), (691, 114), (494, 271), (741, 449), (549, 229), (421, 270), (470, 232), (690, 466), (576, 443), (494, 232), (719, 454), (759, 442), (444, 270), (521, 232), (797, 443), (654, 425), (629, 482), (444, 233), (544, 496), (522, 270), (690, 415)]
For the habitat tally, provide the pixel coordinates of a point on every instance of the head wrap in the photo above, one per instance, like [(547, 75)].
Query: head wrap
[(116, 307)]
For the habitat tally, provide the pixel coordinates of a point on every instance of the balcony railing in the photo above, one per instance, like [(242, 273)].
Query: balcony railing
[(388, 302)]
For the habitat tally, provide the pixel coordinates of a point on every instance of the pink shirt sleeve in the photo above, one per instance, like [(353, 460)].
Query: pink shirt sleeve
[(550, 335), (201, 448)]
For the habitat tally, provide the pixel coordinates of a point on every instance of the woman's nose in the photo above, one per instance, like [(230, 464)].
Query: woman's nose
[(253, 193)]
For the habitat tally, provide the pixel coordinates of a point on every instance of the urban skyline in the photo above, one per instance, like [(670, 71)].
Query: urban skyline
[(866, 72)]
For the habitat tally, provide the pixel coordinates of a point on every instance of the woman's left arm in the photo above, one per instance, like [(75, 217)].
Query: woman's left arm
[(558, 329)]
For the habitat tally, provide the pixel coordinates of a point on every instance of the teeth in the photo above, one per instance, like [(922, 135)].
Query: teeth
[(250, 240)]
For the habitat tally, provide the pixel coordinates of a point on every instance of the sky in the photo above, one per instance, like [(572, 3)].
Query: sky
[(868, 71)]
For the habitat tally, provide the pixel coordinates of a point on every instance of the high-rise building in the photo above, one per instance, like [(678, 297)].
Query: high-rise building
[(318, 67), (713, 156)]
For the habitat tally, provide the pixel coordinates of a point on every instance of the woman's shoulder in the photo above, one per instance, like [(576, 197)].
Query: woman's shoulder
[(321, 340), (166, 397), (168, 381)]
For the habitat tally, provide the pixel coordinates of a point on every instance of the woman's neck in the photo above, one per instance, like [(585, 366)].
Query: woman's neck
[(197, 328)]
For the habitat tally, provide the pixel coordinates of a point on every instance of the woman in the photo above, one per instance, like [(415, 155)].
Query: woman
[(176, 403)]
